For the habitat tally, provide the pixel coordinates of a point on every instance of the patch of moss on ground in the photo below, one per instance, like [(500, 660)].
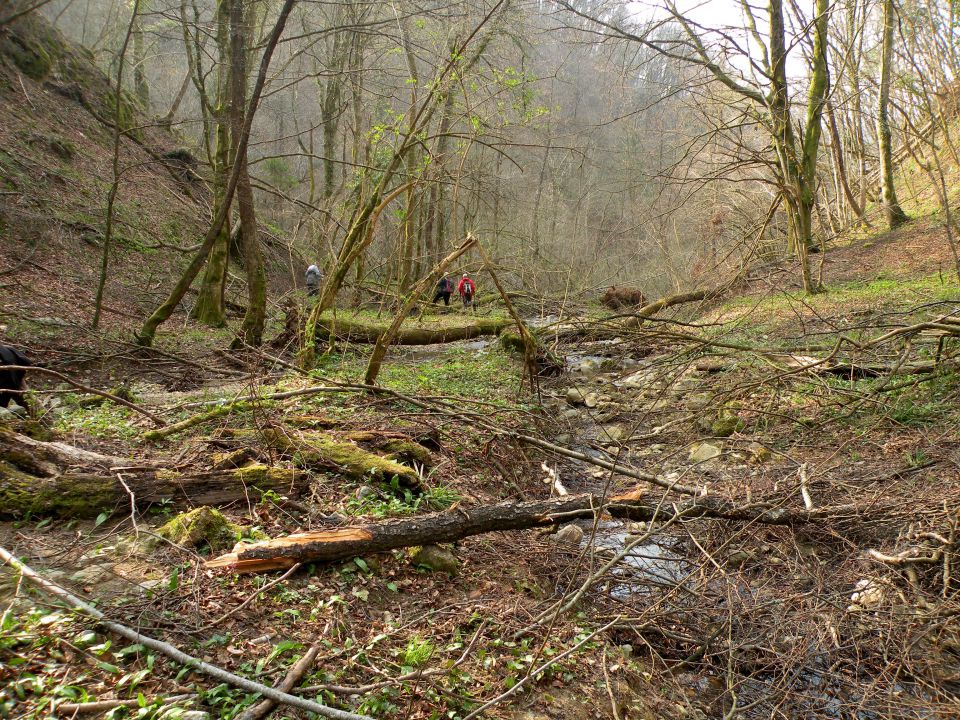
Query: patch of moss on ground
[(201, 527)]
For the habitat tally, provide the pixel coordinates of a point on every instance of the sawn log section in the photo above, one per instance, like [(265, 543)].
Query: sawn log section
[(457, 523)]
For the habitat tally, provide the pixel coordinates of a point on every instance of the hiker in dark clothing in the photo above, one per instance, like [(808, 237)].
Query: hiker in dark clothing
[(313, 280), (467, 289), (444, 290), (12, 381)]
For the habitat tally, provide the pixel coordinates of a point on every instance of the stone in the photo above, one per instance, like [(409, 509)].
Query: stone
[(590, 400), (436, 559), (364, 491), (639, 379), (698, 401), (757, 454), (571, 533), (739, 558), (571, 414), (614, 433), (203, 526), (563, 439), (702, 452), (575, 396), (726, 424), (868, 595), (92, 574), (7, 415)]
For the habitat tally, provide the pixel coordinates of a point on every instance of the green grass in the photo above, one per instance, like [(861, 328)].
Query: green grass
[(752, 316), (492, 376)]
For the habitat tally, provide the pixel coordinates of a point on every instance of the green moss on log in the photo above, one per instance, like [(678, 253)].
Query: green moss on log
[(407, 451), (362, 332), (66, 495), (316, 449)]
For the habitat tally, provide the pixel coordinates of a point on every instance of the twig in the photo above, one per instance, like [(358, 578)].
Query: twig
[(293, 676), (804, 491), (250, 599), (173, 652), (104, 705), (133, 504), (606, 678)]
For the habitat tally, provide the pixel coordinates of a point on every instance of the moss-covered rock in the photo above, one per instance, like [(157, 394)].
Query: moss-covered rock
[(726, 424), (202, 527), (511, 341), (435, 558)]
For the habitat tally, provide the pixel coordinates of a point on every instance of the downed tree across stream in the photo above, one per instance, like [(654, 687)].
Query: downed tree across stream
[(342, 543), (344, 327)]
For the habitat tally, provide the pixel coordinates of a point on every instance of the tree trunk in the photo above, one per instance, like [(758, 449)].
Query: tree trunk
[(241, 33), (458, 523), (891, 205), (141, 88), (38, 478), (351, 331), (209, 307), (162, 313)]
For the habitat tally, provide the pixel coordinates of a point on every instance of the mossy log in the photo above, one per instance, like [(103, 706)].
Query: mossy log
[(44, 479), (456, 524), (79, 494), (315, 449), (198, 419), (396, 446), (351, 331)]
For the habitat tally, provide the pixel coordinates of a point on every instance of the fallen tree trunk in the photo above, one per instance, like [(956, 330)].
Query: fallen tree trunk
[(456, 524), (351, 331), (54, 478), (80, 494), (612, 326), (47, 458)]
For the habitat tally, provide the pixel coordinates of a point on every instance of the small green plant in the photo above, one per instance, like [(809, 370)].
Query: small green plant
[(417, 653)]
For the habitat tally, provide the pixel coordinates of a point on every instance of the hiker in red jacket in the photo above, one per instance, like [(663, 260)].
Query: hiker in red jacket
[(466, 288)]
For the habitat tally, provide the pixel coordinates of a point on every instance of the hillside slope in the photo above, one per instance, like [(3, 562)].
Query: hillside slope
[(56, 151)]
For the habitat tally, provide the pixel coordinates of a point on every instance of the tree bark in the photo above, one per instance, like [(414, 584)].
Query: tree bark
[(891, 205), (210, 308), (241, 33), (357, 332), (458, 523), (162, 313)]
